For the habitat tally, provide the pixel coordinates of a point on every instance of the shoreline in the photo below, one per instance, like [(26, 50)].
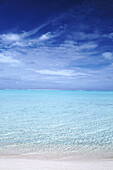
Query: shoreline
[(58, 156)]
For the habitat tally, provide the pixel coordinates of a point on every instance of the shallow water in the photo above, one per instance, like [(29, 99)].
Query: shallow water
[(43, 121)]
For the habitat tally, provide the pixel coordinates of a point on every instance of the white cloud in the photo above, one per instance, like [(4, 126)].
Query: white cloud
[(78, 47), (10, 37), (108, 35), (33, 31), (87, 46), (8, 59), (14, 37), (48, 35), (84, 36), (45, 36), (107, 55), (60, 72), (111, 35), (57, 72)]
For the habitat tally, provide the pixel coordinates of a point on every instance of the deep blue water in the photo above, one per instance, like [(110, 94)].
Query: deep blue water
[(36, 121)]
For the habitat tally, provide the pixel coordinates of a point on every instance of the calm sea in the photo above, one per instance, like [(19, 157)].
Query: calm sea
[(68, 122)]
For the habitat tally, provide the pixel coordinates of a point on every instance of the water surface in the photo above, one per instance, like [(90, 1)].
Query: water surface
[(43, 121)]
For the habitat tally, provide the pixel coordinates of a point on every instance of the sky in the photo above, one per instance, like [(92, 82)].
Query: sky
[(56, 44)]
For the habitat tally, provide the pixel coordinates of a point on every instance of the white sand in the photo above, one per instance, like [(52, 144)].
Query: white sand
[(34, 164)]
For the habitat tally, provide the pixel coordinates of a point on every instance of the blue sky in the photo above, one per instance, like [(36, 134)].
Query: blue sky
[(56, 44)]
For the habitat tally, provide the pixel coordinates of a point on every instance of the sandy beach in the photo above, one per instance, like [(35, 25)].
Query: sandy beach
[(35, 164)]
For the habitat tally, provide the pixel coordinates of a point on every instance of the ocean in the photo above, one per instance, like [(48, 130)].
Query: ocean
[(72, 123)]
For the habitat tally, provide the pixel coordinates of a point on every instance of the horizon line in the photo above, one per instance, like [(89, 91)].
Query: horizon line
[(58, 90)]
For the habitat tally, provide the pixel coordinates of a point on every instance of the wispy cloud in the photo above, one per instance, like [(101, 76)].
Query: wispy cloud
[(33, 31), (107, 55), (109, 35), (6, 58), (80, 36), (57, 52), (18, 38), (87, 46), (47, 36), (68, 73), (10, 37), (57, 72)]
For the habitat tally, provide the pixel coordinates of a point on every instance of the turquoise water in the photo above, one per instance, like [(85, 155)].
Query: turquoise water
[(43, 121)]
